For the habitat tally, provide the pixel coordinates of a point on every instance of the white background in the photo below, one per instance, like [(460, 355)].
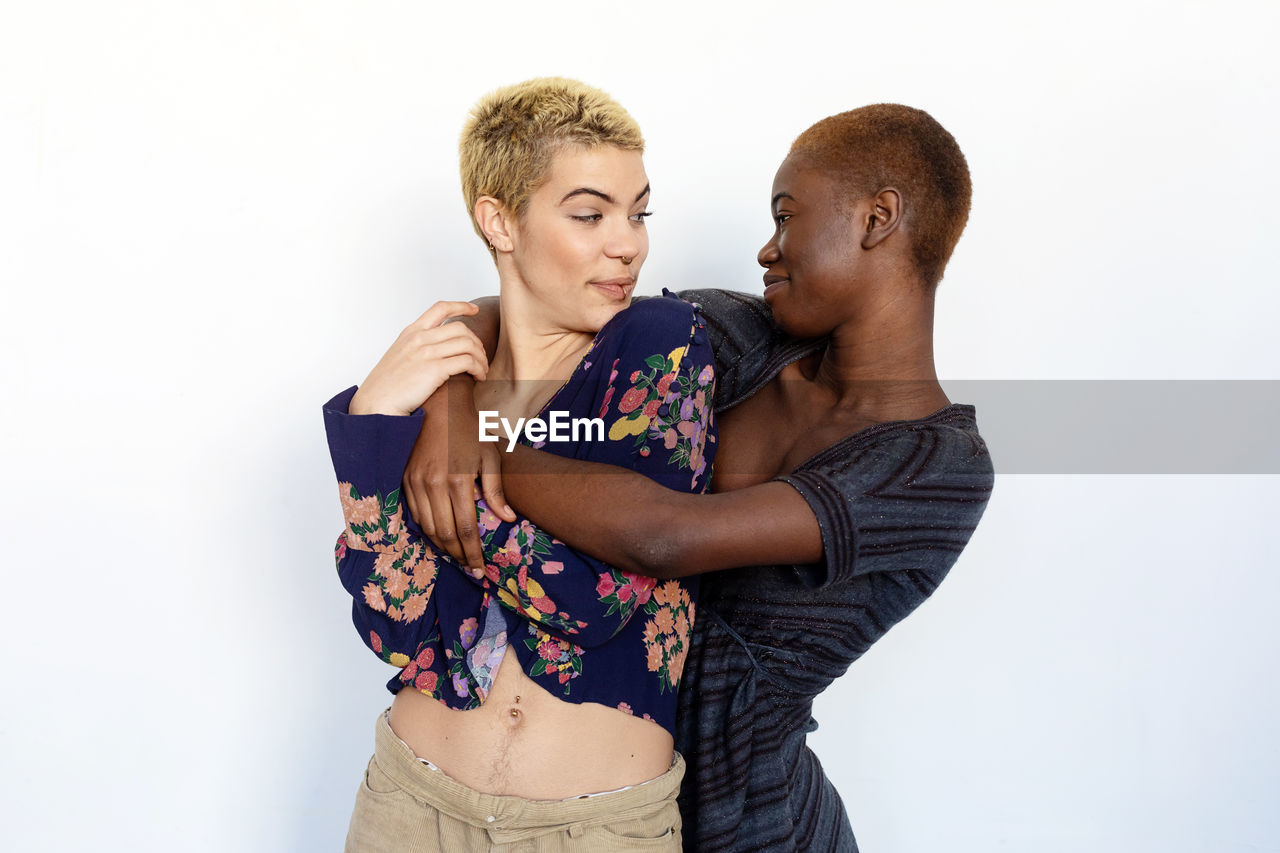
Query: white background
[(213, 216)]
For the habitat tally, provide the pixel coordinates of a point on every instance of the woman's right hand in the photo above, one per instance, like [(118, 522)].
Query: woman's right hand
[(440, 477), (425, 354)]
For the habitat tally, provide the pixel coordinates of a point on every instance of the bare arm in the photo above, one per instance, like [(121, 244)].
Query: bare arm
[(647, 528), (638, 525)]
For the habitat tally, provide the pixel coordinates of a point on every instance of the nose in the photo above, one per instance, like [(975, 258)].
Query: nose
[(625, 241), (768, 254)]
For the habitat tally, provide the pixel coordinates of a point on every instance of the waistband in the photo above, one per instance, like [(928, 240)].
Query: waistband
[(510, 818)]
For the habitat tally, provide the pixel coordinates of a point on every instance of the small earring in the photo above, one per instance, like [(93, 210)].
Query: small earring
[(626, 262)]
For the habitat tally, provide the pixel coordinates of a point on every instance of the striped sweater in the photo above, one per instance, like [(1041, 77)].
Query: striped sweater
[(896, 504)]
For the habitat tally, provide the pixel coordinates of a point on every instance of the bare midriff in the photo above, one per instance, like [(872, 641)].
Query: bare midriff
[(525, 742)]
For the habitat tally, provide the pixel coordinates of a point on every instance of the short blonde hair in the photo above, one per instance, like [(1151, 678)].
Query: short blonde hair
[(512, 134)]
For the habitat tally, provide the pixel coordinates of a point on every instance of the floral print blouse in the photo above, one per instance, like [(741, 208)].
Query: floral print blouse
[(581, 629)]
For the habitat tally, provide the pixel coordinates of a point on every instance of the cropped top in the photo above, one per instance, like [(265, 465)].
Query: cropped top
[(580, 628)]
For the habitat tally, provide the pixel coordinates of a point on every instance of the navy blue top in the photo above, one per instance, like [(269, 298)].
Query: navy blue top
[(582, 629)]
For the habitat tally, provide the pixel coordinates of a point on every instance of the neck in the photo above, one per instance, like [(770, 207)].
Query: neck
[(526, 355), (884, 358), (531, 347), (533, 357)]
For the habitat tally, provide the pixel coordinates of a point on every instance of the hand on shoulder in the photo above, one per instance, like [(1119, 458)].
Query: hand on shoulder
[(424, 355)]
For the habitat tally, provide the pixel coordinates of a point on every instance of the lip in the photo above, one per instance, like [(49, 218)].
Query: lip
[(616, 288), (772, 282)]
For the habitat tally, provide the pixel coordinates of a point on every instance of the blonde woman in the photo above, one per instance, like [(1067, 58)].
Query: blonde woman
[(535, 702)]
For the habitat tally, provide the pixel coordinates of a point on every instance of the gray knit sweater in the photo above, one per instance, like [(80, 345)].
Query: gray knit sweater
[(896, 504)]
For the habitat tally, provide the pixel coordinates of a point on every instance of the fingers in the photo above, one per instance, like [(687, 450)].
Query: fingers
[(446, 535), (419, 504), (414, 482), (421, 479), (449, 342), (491, 482), (462, 491), (465, 363), (441, 311), (414, 367), (442, 341)]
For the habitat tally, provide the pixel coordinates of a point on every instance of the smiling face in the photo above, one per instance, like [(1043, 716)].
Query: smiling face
[(578, 246), (812, 259)]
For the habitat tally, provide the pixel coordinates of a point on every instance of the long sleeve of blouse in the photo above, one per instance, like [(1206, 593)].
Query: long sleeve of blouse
[(649, 379)]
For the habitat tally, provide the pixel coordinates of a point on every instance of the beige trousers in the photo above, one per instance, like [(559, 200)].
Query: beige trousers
[(405, 805)]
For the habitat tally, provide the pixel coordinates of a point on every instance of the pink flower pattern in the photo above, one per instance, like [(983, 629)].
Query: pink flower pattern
[(664, 410), (402, 571), (666, 634), (667, 404)]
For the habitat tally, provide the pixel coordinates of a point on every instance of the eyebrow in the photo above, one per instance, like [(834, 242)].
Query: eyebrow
[(608, 199), (773, 205)]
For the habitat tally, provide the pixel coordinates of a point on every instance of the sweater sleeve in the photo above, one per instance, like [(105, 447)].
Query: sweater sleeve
[(390, 569), (749, 348), (906, 501), (382, 560)]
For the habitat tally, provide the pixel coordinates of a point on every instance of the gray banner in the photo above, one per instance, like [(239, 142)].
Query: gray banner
[(1103, 426), (1127, 426)]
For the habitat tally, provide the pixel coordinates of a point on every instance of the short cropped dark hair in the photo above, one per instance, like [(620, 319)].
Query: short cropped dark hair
[(889, 145)]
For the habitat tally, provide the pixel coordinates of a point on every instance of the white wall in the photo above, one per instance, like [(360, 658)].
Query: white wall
[(214, 216)]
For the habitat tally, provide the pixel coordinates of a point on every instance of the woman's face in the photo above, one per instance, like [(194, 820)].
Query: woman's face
[(811, 262), (580, 244)]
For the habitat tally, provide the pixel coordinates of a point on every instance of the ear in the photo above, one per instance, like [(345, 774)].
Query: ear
[(496, 222), (883, 218)]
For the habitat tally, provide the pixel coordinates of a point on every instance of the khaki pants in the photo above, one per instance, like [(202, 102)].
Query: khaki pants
[(404, 805)]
